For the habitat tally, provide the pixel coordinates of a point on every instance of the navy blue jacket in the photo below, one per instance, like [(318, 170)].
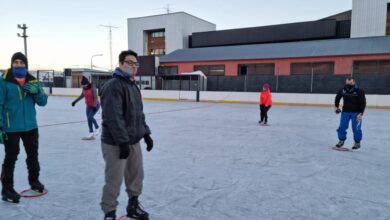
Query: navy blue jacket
[(354, 99)]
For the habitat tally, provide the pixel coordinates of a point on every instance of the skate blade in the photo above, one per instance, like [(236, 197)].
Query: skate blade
[(340, 148), (88, 138), (124, 217), (10, 200)]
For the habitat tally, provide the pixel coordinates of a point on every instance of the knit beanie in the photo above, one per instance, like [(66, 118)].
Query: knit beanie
[(19, 56)]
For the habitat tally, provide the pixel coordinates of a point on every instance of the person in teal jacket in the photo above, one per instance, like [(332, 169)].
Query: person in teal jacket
[(19, 93)]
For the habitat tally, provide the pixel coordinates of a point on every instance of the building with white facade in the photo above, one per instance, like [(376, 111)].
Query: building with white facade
[(163, 34), (370, 18)]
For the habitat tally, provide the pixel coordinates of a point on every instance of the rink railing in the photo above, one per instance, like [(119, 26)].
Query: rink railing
[(299, 99)]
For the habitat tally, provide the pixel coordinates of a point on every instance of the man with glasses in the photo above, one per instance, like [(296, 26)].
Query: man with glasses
[(123, 127)]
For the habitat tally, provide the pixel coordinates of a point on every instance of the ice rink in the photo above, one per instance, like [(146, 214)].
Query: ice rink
[(213, 161)]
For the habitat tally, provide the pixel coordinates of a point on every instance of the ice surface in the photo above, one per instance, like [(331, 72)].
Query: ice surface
[(213, 161)]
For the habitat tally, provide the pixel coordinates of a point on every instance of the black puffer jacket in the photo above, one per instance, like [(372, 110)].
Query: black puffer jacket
[(122, 112), (354, 99)]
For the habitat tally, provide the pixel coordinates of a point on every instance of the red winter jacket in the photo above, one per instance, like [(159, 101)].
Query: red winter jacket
[(266, 98), (90, 95)]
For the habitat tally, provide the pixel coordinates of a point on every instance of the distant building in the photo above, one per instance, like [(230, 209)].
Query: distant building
[(312, 56), (162, 34), (73, 76)]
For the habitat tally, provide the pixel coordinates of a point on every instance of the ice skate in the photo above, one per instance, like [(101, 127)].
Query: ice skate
[(90, 136)]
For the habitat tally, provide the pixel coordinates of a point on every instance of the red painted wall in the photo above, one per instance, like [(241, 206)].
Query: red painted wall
[(343, 64)]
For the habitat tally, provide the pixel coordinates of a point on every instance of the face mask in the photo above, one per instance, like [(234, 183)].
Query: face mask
[(128, 71), (19, 72)]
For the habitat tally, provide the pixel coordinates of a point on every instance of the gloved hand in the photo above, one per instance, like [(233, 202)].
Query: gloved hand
[(94, 109), (3, 136), (359, 117), (124, 151), (32, 88), (337, 111), (149, 142), (73, 103)]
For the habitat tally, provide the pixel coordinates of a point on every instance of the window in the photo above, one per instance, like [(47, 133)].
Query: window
[(307, 68), (256, 69), (323, 68), (157, 51), (168, 70), (384, 66), (158, 34), (371, 66), (211, 70), (388, 20)]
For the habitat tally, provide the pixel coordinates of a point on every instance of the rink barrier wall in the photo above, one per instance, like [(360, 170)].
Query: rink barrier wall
[(290, 99)]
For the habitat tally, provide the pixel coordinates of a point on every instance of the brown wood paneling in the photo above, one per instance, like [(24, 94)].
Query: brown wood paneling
[(76, 80), (155, 43)]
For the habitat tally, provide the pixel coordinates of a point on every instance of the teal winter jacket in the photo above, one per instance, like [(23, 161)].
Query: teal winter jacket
[(17, 107)]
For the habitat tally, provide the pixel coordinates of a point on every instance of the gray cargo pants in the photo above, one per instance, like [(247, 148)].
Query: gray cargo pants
[(131, 169)]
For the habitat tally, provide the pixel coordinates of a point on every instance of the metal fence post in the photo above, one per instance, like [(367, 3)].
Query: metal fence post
[(277, 80), (312, 78), (245, 83)]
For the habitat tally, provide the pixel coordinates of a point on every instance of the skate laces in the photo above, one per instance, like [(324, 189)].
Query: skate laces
[(356, 145), (138, 208)]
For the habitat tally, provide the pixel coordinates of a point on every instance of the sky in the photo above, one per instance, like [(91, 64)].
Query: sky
[(66, 34)]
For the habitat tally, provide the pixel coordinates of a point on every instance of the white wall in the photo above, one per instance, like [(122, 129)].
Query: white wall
[(376, 101), (193, 25), (253, 97), (369, 18), (177, 28), (65, 91)]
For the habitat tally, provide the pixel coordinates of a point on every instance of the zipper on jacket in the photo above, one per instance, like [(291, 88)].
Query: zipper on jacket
[(8, 124), (23, 107), (20, 94)]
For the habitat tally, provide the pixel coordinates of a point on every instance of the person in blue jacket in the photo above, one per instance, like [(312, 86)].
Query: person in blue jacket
[(19, 93), (353, 110)]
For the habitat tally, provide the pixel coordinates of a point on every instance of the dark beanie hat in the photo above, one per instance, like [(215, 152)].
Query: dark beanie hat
[(19, 56), (84, 81)]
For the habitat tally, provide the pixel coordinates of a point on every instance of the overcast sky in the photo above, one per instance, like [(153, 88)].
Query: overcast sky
[(67, 33)]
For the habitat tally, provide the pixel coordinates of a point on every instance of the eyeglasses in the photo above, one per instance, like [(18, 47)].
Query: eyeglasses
[(131, 63)]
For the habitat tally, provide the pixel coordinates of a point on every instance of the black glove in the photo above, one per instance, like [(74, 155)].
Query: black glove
[(337, 111), (73, 103), (124, 151), (94, 109), (149, 142)]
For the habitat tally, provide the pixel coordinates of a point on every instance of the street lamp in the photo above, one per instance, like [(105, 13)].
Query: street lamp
[(96, 55)]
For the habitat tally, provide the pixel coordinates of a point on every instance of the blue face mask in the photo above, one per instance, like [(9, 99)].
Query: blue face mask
[(128, 71), (19, 72)]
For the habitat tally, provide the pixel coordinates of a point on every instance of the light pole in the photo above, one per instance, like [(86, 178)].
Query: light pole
[(96, 55), (24, 27), (110, 27)]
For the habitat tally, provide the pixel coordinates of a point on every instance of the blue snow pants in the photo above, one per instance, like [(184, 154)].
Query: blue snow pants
[(356, 126)]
